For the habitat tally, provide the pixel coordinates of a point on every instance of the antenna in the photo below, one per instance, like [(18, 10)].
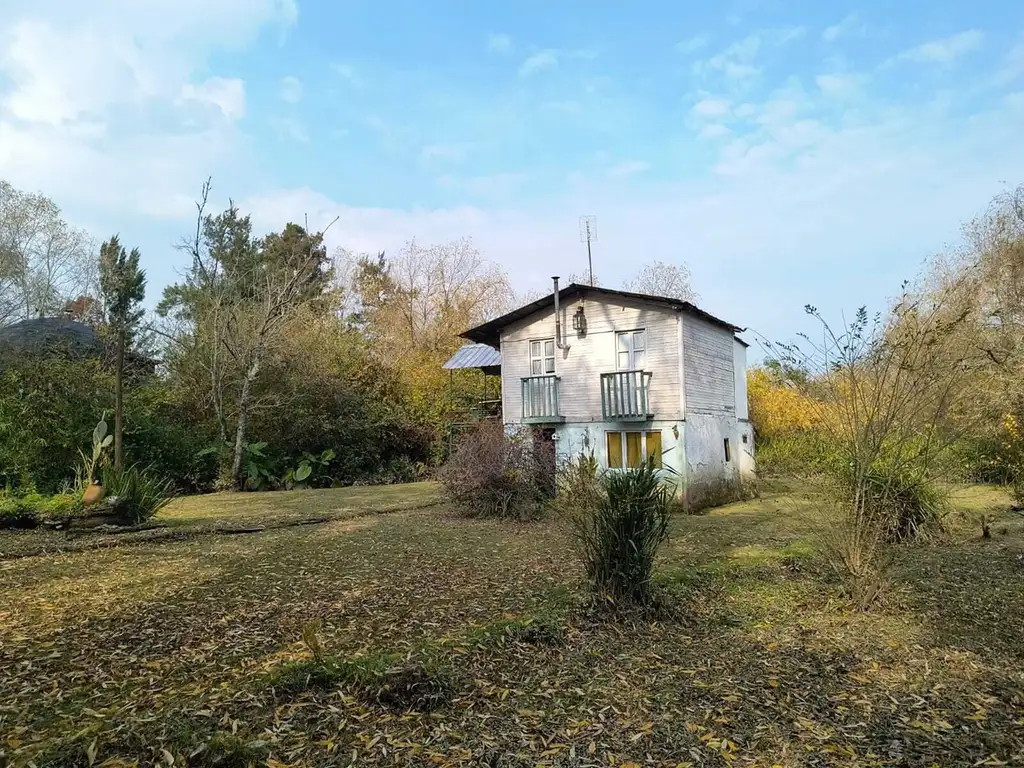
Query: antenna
[(588, 232)]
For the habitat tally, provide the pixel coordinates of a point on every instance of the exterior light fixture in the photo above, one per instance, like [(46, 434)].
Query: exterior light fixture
[(579, 322)]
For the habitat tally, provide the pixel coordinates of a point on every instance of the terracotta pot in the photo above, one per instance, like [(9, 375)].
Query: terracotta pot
[(93, 494)]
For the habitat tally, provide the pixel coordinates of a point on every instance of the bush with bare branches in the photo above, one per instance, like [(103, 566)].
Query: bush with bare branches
[(493, 474)]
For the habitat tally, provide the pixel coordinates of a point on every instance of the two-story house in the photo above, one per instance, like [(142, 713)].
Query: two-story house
[(628, 376)]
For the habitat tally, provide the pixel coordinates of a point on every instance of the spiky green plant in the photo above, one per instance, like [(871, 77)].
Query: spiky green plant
[(138, 493), (618, 534)]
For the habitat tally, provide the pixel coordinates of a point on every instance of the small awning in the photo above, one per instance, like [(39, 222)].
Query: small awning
[(474, 356)]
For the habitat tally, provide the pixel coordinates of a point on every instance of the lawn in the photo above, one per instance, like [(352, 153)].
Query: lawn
[(188, 650)]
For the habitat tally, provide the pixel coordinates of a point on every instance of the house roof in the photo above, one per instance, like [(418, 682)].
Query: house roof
[(474, 356), (489, 333), (40, 333)]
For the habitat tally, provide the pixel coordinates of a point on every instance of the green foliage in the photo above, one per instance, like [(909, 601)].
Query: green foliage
[(140, 493), (123, 287), (27, 510), (259, 468), (48, 408), (311, 470), (491, 474), (617, 534)]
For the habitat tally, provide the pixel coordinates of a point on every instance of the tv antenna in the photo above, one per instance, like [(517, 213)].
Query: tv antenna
[(588, 233)]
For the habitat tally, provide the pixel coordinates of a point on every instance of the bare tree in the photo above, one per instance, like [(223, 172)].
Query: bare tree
[(659, 278), (44, 261)]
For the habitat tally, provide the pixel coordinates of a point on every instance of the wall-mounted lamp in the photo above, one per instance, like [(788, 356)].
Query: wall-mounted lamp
[(579, 322), (675, 431)]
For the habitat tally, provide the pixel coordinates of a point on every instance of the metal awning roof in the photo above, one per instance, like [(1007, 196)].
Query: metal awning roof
[(474, 356)]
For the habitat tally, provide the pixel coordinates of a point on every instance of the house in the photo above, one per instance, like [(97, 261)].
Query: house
[(628, 376), (61, 336)]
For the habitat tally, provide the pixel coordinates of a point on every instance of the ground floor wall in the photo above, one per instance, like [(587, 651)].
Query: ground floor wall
[(693, 453)]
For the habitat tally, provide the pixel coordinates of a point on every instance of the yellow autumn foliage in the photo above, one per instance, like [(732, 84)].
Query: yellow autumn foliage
[(776, 409)]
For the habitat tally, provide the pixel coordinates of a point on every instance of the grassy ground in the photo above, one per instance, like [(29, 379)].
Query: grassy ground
[(191, 650)]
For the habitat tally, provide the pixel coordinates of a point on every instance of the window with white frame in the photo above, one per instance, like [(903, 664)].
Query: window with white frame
[(631, 349), (542, 357)]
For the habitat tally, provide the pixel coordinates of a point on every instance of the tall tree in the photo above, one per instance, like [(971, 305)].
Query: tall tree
[(44, 261), (659, 278), (234, 306), (123, 287)]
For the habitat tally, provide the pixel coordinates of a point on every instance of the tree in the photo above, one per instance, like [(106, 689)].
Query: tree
[(234, 306), (44, 261), (123, 287), (659, 278)]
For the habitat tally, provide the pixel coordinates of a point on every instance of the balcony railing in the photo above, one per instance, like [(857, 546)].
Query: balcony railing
[(540, 400), (625, 396)]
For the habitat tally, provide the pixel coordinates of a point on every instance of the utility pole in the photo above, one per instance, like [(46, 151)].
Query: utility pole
[(588, 232)]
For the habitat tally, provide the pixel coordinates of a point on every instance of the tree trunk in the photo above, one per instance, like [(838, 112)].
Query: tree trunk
[(118, 401), (243, 421)]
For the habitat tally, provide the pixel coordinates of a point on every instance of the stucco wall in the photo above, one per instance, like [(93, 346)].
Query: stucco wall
[(574, 439)]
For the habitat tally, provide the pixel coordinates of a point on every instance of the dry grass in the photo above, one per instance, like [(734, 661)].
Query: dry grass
[(176, 646)]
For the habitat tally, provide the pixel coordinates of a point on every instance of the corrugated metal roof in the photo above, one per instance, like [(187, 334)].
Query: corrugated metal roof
[(474, 356)]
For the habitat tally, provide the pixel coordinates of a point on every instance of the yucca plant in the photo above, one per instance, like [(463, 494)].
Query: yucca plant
[(138, 492), (618, 530)]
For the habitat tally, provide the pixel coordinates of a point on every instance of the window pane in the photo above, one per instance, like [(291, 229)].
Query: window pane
[(534, 349), (549, 348), (614, 450), (633, 449), (654, 447), (535, 367), (639, 340), (549, 365), (639, 359), (623, 341), (623, 361)]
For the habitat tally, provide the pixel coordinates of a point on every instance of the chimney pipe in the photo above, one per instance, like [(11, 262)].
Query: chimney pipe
[(558, 317)]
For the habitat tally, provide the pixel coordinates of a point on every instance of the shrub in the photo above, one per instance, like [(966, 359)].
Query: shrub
[(27, 510), (491, 474), (617, 535), (140, 493)]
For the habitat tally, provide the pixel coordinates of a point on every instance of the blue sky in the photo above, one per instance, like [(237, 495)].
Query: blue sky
[(788, 152)]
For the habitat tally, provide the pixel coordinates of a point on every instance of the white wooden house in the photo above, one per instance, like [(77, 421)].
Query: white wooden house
[(629, 376)]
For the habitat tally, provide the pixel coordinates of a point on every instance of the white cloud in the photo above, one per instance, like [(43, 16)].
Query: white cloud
[(693, 44), (711, 107), (945, 50), (290, 128), (735, 62), (874, 198), (348, 73), (840, 85), (499, 44), (443, 152), (226, 94), (849, 25), (122, 91), (290, 90), (630, 168), (538, 62), (714, 131)]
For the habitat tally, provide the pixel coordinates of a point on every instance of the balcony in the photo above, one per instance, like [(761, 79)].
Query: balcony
[(625, 396), (540, 400)]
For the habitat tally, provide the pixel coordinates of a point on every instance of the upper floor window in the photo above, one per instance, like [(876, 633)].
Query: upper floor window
[(632, 350), (542, 357)]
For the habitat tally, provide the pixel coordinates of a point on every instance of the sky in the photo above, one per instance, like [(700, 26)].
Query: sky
[(788, 152)]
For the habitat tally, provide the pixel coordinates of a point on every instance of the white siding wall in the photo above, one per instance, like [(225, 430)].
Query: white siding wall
[(580, 367), (740, 362), (709, 370)]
